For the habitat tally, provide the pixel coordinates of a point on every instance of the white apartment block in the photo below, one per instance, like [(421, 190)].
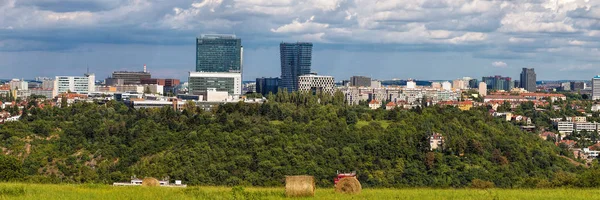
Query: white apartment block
[(17, 84), (587, 126), (565, 127), (77, 84), (316, 83)]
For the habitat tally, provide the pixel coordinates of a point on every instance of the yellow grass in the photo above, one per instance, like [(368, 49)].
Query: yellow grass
[(38, 192)]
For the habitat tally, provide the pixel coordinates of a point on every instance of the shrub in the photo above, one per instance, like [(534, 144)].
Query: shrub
[(481, 184)]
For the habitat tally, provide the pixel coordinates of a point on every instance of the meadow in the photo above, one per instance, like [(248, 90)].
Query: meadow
[(90, 191)]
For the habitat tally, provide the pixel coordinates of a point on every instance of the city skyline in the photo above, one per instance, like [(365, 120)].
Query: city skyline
[(424, 40)]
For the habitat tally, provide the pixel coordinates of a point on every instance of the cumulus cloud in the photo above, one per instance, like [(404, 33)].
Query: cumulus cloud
[(491, 29), (499, 64)]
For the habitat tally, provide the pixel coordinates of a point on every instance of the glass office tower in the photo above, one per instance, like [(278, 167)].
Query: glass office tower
[(218, 53), (296, 61)]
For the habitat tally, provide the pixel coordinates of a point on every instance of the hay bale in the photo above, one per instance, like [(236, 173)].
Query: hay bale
[(300, 186), (348, 185), (150, 182)]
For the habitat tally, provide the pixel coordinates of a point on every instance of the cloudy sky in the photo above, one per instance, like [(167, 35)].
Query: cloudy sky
[(422, 39)]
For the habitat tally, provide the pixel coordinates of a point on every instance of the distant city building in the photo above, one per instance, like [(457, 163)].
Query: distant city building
[(498, 83), (296, 60), (446, 85), (219, 53), (577, 86), (482, 89), (76, 84), (199, 82), (265, 86), (48, 84), (17, 84), (517, 83), (113, 81), (436, 85), (473, 83), (375, 84), (411, 84), (131, 78), (596, 88), (315, 84), (459, 84), (219, 65), (156, 81), (360, 81), (528, 79), (566, 86)]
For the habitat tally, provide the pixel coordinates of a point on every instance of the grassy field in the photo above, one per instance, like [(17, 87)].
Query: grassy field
[(383, 123), (43, 192)]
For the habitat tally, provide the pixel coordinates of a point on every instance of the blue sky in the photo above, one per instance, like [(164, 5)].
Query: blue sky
[(421, 39)]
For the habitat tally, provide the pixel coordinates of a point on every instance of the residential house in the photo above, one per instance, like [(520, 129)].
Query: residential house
[(436, 141), (374, 104)]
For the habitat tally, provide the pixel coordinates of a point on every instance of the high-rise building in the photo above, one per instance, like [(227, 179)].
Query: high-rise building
[(265, 86), (473, 83), (17, 84), (360, 81), (296, 59), (315, 84), (498, 83), (528, 79), (219, 53), (459, 84), (219, 65), (482, 89), (200, 82), (76, 84), (596, 88)]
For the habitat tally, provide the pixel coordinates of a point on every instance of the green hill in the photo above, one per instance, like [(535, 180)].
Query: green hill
[(259, 144)]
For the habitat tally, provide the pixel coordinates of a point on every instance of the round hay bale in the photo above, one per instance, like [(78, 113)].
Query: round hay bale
[(150, 182), (348, 185), (300, 186)]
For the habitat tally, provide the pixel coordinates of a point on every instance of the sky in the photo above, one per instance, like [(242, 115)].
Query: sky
[(384, 39)]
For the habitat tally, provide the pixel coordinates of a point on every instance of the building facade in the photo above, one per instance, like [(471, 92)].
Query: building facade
[(265, 86), (219, 53), (528, 79), (360, 81), (482, 89), (219, 65), (75, 84), (577, 86), (296, 60), (596, 88), (130, 78), (498, 83), (199, 82), (315, 84)]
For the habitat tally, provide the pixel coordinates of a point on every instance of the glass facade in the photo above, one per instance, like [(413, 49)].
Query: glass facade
[(218, 53), (265, 86), (219, 83), (296, 59), (498, 83)]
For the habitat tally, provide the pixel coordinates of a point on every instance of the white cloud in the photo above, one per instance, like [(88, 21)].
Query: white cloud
[(586, 67), (499, 64), (301, 27), (520, 40)]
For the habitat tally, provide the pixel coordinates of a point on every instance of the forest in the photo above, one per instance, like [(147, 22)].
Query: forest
[(292, 134)]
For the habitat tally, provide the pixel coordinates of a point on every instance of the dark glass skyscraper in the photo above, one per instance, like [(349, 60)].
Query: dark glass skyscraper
[(265, 86), (296, 59), (528, 80), (218, 53)]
